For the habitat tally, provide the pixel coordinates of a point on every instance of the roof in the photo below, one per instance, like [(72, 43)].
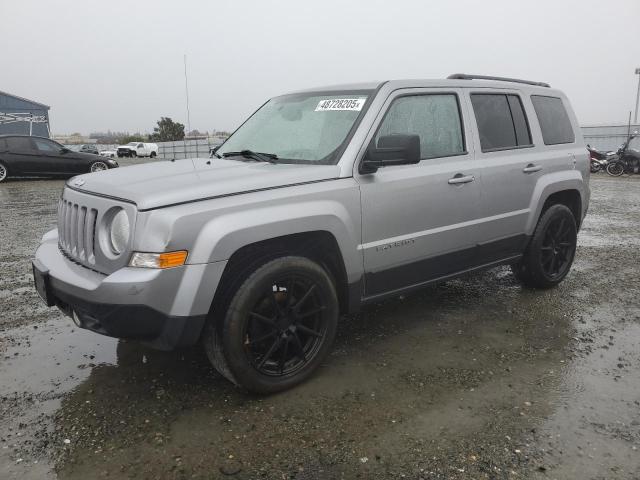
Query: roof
[(477, 82), (23, 99)]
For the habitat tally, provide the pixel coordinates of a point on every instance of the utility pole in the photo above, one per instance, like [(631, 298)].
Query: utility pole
[(186, 86), (635, 118)]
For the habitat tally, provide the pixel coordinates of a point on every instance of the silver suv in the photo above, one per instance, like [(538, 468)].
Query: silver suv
[(322, 201)]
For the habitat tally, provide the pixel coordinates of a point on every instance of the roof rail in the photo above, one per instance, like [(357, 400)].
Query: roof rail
[(464, 76)]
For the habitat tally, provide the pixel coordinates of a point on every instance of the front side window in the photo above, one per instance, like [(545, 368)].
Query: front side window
[(502, 123), (300, 128), (435, 118), (554, 121), (46, 146)]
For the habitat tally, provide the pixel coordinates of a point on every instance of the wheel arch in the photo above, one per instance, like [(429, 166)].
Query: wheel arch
[(320, 246), (567, 188)]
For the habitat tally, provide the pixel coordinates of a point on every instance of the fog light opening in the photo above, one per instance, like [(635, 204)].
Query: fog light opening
[(76, 319)]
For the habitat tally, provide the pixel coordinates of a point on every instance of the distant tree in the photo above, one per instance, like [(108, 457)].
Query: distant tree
[(132, 138), (167, 131)]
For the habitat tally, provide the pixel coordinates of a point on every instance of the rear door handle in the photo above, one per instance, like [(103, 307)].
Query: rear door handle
[(460, 178), (531, 168)]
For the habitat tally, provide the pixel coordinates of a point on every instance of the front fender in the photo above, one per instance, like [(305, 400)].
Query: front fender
[(552, 183), (221, 236)]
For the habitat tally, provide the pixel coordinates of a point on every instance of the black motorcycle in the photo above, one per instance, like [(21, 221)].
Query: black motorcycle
[(628, 160), (599, 159)]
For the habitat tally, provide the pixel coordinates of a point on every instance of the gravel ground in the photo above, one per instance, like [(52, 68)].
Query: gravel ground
[(474, 378)]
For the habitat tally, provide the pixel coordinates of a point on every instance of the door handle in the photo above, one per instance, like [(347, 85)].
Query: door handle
[(459, 178), (531, 168)]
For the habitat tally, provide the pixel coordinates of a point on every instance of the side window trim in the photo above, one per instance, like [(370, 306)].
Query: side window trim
[(456, 95), (526, 118)]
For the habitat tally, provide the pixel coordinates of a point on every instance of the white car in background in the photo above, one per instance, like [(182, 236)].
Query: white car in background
[(109, 153), (138, 149)]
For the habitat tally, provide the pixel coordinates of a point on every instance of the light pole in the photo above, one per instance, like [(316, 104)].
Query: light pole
[(635, 117)]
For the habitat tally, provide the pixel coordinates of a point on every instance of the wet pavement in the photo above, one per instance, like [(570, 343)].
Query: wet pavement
[(474, 378)]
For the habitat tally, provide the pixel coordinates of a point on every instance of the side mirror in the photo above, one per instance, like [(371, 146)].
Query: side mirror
[(391, 150), (64, 150)]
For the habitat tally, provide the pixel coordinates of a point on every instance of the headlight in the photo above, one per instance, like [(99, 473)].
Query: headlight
[(119, 231)]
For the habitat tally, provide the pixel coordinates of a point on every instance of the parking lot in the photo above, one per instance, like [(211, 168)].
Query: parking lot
[(474, 378)]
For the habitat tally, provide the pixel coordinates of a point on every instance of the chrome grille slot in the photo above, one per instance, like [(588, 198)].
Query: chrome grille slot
[(76, 231)]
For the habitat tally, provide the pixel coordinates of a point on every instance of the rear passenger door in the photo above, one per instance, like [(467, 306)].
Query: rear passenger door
[(511, 166), (22, 155)]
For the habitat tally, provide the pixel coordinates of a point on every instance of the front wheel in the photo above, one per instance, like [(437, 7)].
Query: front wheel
[(98, 166), (550, 253), (277, 327), (4, 172), (153, 155), (615, 169)]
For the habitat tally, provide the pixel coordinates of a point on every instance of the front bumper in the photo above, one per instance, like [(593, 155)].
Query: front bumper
[(164, 308)]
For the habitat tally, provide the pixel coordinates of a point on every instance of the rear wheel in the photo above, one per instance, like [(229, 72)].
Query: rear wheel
[(550, 253), (98, 166), (153, 154), (278, 326), (595, 167), (4, 172), (615, 169)]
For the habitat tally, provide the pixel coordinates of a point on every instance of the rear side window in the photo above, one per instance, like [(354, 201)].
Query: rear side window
[(19, 144), (434, 117), (554, 121), (502, 122)]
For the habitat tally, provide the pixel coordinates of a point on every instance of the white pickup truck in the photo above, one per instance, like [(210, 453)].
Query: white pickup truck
[(138, 149)]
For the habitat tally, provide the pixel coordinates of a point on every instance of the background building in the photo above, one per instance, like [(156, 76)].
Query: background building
[(22, 116)]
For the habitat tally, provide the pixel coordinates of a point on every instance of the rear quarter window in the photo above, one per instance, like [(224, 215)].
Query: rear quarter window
[(553, 119)]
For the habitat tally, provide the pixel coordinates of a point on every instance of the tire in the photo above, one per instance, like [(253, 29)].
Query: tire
[(98, 166), (615, 169), (595, 167), (4, 172), (550, 253), (133, 154), (153, 155), (273, 332)]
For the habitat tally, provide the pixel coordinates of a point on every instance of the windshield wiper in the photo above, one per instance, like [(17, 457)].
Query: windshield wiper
[(260, 157)]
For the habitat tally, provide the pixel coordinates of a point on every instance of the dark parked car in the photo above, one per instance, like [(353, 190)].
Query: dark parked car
[(27, 156), (87, 148)]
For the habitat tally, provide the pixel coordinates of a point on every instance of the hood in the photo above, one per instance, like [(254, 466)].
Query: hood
[(158, 184)]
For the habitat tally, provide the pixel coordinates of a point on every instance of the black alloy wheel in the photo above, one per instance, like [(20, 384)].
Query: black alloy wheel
[(550, 253), (276, 327), (557, 247), (285, 326)]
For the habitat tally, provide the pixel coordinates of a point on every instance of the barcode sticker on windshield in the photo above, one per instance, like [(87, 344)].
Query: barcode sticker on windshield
[(333, 104)]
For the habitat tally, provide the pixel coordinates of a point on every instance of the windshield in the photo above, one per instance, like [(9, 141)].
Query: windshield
[(300, 128)]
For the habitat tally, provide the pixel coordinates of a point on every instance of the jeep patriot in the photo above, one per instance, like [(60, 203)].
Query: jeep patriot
[(322, 201)]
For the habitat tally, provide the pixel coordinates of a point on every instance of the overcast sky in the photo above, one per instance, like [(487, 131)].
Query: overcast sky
[(119, 64)]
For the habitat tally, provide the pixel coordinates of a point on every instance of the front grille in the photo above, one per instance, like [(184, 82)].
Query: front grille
[(77, 231)]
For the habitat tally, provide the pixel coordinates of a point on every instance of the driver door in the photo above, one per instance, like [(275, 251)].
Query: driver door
[(419, 221)]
